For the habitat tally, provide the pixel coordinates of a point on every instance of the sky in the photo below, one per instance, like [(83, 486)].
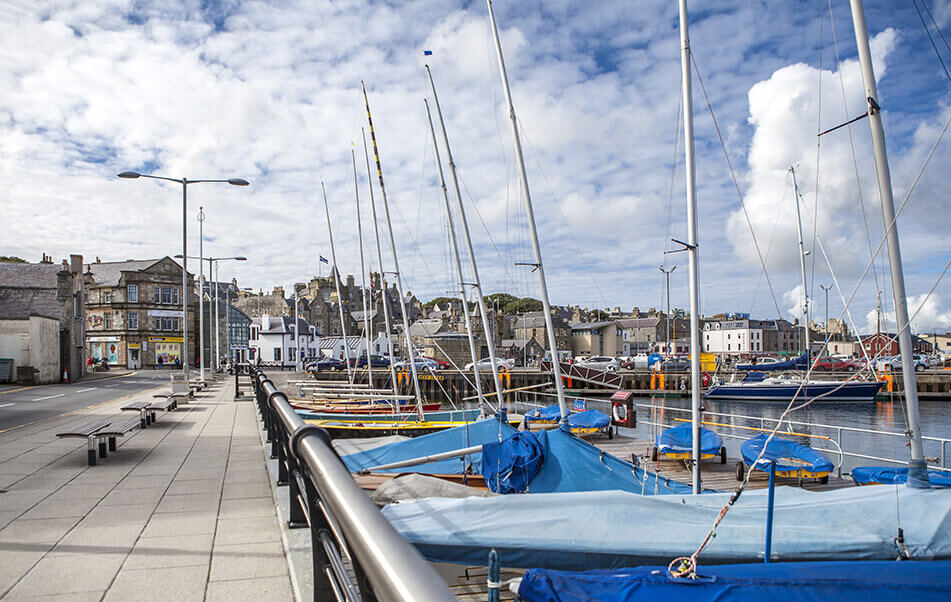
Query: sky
[(270, 91)]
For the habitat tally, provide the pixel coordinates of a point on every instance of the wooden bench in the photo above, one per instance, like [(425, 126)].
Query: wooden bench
[(142, 407), (173, 397), (116, 428), (90, 432)]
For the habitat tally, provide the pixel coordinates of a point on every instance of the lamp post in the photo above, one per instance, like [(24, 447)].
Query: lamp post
[(213, 266), (184, 182), (667, 274), (826, 327)]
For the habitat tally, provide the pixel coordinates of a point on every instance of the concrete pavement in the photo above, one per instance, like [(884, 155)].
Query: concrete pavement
[(183, 510)]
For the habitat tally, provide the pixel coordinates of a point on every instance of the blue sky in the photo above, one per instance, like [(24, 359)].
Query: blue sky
[(269, 91)]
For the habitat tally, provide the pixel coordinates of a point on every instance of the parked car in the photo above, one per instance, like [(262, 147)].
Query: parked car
[(674, 364), (598, 362), (641, 361), (422, 364), (326, 363), (834, 364), (442, 365), (486, 364), (893, 363), (376, 361)]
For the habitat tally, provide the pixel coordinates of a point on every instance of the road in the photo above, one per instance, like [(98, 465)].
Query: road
[(26, 405)]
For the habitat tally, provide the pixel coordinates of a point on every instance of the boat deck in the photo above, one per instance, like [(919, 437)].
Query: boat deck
[(713, 474)]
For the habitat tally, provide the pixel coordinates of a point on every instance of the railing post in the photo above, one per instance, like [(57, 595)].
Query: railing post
[(769, 511)]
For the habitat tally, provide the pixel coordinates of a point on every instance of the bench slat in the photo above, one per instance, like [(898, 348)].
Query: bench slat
[(86, 429), (118, 428)]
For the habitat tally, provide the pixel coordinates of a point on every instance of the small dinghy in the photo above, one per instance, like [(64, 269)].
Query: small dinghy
[(677, 443), (792, 459), (589, 422), (894, 475)]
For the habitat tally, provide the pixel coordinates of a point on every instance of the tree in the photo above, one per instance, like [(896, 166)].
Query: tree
[(11, 259)]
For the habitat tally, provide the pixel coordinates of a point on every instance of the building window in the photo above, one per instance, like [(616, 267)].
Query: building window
[(292, 332), (107, 321), (253, 334), (175, 296), (133, 320), (277, 354), (176, 324), (107, 296), (291, 351), (166, 294), (132, 293)]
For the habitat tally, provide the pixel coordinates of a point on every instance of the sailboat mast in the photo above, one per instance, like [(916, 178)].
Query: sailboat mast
[(411, 356), (363, 270), (917, 469), (486, 327), (693, 259), (455, 255), (802, 263), (336, 276), (384, 300), (530, 214)]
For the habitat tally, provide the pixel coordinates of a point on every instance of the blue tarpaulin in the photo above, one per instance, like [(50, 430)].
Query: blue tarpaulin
[(679, 439), (477, 433), (573, 464), (509, 465), (891, 475), (586, 419), (616, 529), (813, 581), (788, 455)]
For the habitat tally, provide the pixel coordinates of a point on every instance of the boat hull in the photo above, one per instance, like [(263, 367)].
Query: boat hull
[(853, 392)]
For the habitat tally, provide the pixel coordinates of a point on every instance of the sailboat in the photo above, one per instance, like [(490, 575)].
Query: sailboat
[(595, 530), (784, 386)]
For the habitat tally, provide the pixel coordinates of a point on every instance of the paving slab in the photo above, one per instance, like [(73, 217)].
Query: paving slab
[(178, 512)]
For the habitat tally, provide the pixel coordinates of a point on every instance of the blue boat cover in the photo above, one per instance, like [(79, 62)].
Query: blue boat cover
[(891, 475), (587, 419), (680, 439), (813, 581), (573, 464), (796, 363), (509, 465), (478, 433), (778, 450), (616, 529)]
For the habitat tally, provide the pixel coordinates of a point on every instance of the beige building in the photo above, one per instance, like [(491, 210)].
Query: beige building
[(41, 321), (594, 338), (134, 313)]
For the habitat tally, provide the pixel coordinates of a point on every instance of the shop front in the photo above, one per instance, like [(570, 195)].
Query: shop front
[(104, 348), (168, 351)]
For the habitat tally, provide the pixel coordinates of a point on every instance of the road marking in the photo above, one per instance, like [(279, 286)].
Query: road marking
[(112, 385), (3, 405), (49, 397), (84, 390)]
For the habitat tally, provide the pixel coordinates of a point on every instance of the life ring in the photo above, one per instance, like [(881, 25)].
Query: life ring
[(619, 413), (683, 385)]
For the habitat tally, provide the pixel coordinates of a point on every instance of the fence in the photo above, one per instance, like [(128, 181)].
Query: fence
[(357, 554)]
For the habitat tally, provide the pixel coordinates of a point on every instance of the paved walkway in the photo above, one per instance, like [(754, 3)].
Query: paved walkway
[(183, 510)]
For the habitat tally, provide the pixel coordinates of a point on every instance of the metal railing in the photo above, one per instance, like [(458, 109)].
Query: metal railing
[(835, 433), (357, 554)]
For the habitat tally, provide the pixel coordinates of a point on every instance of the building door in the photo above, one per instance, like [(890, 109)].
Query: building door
[(134, 361)]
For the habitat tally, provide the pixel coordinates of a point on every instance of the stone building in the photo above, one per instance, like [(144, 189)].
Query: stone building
[(134, 313), (42, 313), (532, 326)]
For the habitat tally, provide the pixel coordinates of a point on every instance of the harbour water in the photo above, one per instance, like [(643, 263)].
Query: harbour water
[(885, 416)]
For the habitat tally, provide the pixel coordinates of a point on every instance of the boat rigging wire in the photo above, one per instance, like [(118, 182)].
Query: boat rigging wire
[(736, 184), (931, 39)]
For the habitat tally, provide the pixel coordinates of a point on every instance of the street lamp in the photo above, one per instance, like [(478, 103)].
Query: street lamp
[(667, 274), (213, 265), (131, 175)]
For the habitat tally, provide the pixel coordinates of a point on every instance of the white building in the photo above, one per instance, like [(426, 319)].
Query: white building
[(735, 337), (333, 346), (275, 339)]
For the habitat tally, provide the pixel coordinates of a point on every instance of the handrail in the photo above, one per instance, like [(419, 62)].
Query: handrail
[(343, 520)]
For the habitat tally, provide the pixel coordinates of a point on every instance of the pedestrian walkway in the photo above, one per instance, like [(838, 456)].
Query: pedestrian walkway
[(183, 510)]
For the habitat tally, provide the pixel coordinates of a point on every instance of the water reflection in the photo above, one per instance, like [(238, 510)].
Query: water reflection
[(747, 418)]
